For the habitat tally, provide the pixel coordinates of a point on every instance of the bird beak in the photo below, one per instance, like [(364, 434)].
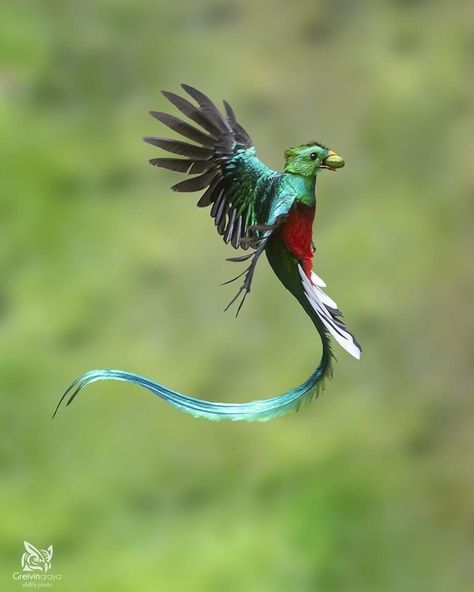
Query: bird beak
[(332, 161)]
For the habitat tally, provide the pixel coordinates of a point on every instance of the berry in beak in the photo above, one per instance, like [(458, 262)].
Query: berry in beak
[(332, 162)]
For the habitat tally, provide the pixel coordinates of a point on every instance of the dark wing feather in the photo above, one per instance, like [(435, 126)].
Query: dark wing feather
[(183, 166), (192, 112), (183, 128), (196, 183), (208, 108), (237, 232), (181, 148), (212, 195), (215, 199)]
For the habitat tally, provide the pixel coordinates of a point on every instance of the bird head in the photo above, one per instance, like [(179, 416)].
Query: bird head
[(308, 159)]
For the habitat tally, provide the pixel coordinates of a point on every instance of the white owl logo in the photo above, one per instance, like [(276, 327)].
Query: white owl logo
[(36, 559)]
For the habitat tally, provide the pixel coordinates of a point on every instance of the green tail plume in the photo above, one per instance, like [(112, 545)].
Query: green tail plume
[(260, 410)]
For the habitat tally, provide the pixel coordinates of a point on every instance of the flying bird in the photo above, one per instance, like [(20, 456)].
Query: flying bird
[(259, 210)]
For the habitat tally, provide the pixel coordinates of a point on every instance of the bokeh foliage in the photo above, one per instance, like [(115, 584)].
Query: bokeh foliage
[(368, 489)]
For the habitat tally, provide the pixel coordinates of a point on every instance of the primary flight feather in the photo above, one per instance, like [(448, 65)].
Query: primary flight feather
[(256, 208)]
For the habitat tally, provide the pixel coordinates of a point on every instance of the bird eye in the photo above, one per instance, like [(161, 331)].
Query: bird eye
[(313, 156)]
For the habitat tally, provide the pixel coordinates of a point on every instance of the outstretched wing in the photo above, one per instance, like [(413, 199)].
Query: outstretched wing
[(238, 186)]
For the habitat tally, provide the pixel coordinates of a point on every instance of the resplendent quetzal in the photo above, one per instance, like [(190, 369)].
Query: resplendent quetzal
[(257, 208)]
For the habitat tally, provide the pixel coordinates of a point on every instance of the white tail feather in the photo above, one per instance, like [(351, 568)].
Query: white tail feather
[(325, 308)]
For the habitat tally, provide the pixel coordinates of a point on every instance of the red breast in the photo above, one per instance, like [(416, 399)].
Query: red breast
[(297, 234)]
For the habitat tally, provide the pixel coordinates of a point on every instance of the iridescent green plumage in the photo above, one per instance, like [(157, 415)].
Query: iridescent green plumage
[(253, 207)]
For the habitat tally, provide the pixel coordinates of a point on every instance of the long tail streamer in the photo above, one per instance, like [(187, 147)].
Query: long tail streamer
[(260, 410)]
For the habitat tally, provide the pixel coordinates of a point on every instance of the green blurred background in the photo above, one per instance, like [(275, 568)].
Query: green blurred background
[(370, 487)]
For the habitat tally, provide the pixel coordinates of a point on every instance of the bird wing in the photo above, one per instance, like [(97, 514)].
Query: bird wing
[(223, 159)]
